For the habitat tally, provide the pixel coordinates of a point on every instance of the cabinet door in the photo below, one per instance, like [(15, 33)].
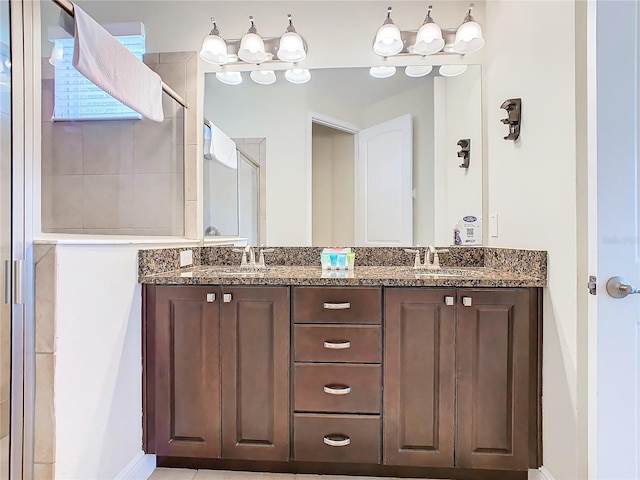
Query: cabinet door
[(186, 372), (419, 377), (493, 358), (255, 373)]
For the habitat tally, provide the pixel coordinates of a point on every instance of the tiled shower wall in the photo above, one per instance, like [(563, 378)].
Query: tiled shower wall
[(127, 177)]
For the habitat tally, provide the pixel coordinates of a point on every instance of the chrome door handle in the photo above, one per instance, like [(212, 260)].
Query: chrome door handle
[(619, 287), (337, 306), (337, 344), (337, 440)]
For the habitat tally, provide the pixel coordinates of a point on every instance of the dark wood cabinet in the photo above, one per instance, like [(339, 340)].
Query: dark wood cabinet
[(255, 373), (419, 378), (216, 372), (461, 378), (185, 375), (494, 351)]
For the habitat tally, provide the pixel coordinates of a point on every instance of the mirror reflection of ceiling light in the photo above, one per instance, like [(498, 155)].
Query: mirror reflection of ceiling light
[(452, 70), (57, 53), (291, 48), (429, 38), (229, 78), (263, 77), (252, 46), (417, 70), (469, 37), (382, 71), (214, 48), (388, 38), (298, 75)]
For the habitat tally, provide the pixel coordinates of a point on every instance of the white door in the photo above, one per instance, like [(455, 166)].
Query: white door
[(384, 184), (618, 245)]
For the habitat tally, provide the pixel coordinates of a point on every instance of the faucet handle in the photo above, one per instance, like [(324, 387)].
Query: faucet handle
[(243, 251), (261, 257), (416, 262)]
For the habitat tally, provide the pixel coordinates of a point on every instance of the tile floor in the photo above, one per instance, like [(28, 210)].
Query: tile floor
[(186, 474)]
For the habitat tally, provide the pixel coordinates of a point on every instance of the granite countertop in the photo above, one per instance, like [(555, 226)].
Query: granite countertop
[(387, 276)]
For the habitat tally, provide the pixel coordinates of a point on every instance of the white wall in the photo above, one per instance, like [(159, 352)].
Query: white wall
[(532, 186), (98, 394)]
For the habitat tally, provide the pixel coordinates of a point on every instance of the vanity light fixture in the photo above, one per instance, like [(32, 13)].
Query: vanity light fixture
[(388, 38), (263, 77), (292, 48), (452, 70), (382, 71), (214, 48), (469, 37), (229, 78), (252, 46), (429, 38), (298, 75), (416, 71)]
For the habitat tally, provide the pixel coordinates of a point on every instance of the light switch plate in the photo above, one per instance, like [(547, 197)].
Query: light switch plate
[(186, 258), (493, 225)]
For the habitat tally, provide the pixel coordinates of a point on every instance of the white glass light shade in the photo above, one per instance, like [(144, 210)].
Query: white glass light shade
[(452, 70), (298, 75), (417, 70), (291, 48), (252, 48), (469, 38), (263, 77), (388, 40), (382, 72), (57, 53), (229, 78), (429, 39), (214, 50)]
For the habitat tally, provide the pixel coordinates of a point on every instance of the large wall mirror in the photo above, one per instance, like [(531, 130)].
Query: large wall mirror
[(348, 159)]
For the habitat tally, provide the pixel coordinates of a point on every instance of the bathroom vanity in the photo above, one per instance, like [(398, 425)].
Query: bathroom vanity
[(381, 371)]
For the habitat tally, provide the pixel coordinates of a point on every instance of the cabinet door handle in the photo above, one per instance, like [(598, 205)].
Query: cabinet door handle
[(211, 297), (227, 297), (448, 300), (337, 344), (336, 440), (466, 301), (336, 389), (337, 306)]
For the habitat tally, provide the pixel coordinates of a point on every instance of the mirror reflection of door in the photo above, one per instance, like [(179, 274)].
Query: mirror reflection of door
[(248, 197)]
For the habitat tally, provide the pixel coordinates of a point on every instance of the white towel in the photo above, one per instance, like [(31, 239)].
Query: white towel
[(111, 66), (222, 148)]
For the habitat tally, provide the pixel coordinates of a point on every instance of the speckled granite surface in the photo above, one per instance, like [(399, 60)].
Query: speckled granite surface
[(384, 266)]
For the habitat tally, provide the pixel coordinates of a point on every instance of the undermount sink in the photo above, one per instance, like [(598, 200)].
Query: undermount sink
[(236, 271)]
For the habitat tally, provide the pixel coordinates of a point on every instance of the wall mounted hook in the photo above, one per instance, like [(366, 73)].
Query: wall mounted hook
[(513, 106), (465, 152)]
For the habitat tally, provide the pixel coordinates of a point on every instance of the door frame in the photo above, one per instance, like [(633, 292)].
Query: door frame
[(327, 121)]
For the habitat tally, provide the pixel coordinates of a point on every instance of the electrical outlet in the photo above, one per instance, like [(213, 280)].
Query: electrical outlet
[(493, 225), (186, 258)]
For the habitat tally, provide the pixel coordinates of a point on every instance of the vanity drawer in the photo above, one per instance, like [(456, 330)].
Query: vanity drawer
[(337, 305), (336, 438), (337, 343), (348, 388)]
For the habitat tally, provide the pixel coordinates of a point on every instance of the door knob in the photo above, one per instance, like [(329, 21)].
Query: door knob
[(619, 287)]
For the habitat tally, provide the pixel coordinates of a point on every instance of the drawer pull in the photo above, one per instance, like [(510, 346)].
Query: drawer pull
[(336, 389), (337, 440), (337, 344), (337, 306)]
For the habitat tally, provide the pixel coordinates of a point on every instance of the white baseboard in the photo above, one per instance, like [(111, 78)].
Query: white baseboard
[(541, 474), (140, 468)]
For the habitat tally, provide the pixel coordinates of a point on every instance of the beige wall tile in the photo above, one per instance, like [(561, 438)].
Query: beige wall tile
[(191, 220), (192, 72), (43, 471), (174, 75), (44, 442), (159, 201), (156, 146), (176, 57), (151, 58), (62, 204), (108, 200), (107, 147), (190, 172), (46, 148), (66, 144), (45, 298), (191, 122), (46, 106)]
